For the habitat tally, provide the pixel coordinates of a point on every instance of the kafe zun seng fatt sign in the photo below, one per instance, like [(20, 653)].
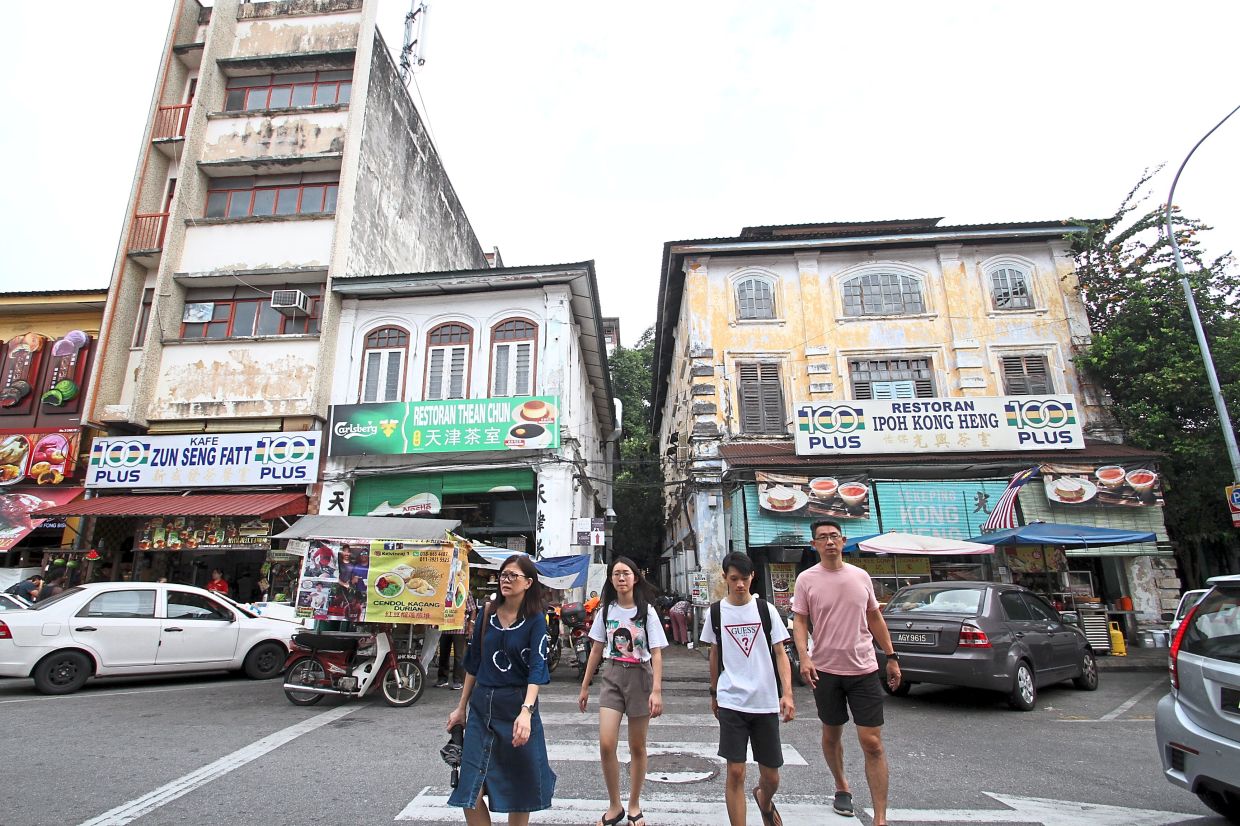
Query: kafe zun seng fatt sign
[(938, 425), (205, 460)]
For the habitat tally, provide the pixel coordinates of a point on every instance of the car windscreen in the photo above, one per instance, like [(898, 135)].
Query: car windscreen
[(1215, 628), (938, 599), (50, 601)]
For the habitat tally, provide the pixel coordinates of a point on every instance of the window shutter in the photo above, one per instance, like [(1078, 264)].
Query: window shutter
[(434, 377), (392, 389), (924, 388), (370, 385), (772, 399), (1025, 375), (522, 384), (499, 379), (457, 388), (750, 399)]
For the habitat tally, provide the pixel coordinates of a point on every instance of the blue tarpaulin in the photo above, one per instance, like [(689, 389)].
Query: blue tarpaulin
[(1070, 536), (553, 571)]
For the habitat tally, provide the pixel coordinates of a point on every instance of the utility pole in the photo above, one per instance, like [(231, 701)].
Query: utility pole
[(413, 50)]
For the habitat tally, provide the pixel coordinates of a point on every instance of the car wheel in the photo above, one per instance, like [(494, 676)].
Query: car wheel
[(1024, 693), (265, 660), (1088, 680), (1226, 804), (62, 673)]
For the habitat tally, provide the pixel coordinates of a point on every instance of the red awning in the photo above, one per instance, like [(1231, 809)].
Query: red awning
[(262, 505), (21, 511)]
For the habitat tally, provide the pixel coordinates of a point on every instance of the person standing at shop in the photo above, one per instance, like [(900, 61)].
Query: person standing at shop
[(53, 585), (217, 583), (28, 588), (452, 647), (505, 755), (627, 634), (837, 599)]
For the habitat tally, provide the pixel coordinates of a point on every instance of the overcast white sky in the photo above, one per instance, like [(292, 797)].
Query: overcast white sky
[(576, 130)]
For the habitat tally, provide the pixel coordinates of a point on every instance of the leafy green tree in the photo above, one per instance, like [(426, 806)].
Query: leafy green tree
[(1144, 354), (638, 499)]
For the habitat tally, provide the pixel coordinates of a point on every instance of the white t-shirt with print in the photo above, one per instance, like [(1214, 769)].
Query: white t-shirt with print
[(748, 679), (635, 643)]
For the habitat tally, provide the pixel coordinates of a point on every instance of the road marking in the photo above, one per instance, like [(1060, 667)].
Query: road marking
[(86, 695), (136, 808), (590, 718), (1133, 700), (1039, 810), (586, 751), (669, 810)]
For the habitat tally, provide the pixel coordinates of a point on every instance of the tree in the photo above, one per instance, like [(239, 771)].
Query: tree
[(1144, 354), (638, 499)]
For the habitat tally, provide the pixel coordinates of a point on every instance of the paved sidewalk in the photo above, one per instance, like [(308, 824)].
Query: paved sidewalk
[(686, 665), (1138, 659)]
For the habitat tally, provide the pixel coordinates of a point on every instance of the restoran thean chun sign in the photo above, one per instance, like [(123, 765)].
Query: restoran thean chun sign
[(938, 425), (205, 460)]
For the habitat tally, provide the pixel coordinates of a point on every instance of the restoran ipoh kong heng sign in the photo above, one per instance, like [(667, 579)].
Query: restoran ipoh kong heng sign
[(938, 425), (205, 460)]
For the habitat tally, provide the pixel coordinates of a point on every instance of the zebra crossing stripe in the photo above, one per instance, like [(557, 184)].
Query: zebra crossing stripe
[(586, 751)]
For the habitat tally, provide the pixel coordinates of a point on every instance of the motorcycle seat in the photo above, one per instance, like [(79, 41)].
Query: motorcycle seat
[(320, 641)]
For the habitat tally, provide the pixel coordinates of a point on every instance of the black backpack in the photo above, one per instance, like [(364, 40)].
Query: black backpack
[(716, 625)]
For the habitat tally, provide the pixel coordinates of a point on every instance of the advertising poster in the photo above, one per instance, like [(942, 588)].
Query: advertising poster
[(942, 425), (451, 426), (202, 533), (821, 497), (948, 509), (333, 578), (39, 457), (1035, 559), (1132, 484), (205, 460), (418, 582), (19, 511), (783, 584)]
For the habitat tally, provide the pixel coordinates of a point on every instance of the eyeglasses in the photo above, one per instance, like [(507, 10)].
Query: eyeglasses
[(510, 577), (828, 537), (621, 575)]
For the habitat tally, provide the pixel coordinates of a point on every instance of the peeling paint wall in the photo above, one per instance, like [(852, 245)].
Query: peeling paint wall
[(270, 243), (276, 136), (229, 379), (287, 35)]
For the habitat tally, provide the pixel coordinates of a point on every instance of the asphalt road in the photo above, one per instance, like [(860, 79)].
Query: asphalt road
[(223, 750)]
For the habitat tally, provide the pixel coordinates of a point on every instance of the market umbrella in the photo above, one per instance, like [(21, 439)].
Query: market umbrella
[(912, 543), (1070, 536)]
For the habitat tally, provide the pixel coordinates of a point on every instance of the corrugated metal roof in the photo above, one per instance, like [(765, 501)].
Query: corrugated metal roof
[(262, 505)]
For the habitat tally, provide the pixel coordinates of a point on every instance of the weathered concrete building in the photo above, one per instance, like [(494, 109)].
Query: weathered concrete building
[(792, 331)]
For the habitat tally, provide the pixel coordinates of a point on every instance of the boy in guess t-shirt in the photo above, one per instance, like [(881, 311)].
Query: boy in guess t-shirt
[(745, 696)]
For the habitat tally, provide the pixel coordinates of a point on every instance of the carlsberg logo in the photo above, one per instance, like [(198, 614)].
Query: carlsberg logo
[(347, 430)]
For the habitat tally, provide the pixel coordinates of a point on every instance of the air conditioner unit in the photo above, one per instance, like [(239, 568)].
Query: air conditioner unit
[(290, 302)]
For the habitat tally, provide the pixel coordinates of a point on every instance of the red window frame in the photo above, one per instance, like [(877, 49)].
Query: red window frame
[(325, 88), (450, 334), (385, 339), (225, 312), (308, 200), (507, 332)]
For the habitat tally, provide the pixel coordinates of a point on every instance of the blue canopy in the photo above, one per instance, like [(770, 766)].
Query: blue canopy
[(850, 546), (1071, 536)]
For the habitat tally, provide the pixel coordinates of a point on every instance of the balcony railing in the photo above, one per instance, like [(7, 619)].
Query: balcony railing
[(147, 232), (170, 121)]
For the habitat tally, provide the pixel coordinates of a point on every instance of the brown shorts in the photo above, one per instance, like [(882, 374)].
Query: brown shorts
[(627, 687)]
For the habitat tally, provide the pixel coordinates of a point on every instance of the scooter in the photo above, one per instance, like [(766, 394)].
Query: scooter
[(553, 632), (350, 664), (575, 616)]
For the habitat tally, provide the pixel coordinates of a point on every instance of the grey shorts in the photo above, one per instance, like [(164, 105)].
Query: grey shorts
[(627, 687), (836, 694), (741, 730)]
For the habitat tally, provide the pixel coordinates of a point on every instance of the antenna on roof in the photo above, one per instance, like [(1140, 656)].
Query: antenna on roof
[(413, 50)]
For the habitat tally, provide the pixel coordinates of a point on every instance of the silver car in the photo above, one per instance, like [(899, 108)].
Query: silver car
[(987, 635), (1198, 724)]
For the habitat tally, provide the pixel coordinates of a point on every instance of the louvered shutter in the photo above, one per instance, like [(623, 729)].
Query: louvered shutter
[(772, 399), (523, 384), (370, 384), (391, 391), (499, 378), (456, 388), (750, 398), (1025, 375), (434, 374)]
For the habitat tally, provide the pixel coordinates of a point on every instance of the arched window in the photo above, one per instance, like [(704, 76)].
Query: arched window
[(883, 293), (383, 364), (754, 299), (447, 361), (1009, 288), (512, 357)]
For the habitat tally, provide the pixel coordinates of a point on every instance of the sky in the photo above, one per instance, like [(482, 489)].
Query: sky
[(579, 130)]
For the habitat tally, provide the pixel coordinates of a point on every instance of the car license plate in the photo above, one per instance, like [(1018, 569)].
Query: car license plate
[(1231, 700), (915, 638)]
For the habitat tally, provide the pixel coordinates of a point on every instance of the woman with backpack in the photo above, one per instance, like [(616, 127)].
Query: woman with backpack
[(627, 634), (505, 755)]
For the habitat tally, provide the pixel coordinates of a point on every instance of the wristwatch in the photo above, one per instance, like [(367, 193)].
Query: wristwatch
[(528, 707), (893, 656)]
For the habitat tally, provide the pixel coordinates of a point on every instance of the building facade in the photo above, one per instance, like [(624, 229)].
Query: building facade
[(778, 333)]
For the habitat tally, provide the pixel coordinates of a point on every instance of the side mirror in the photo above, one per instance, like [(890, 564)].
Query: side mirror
[(1069, 617)]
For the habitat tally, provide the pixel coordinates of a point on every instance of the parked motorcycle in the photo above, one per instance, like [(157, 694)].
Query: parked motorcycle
[(790, 647), (577, 620), (553, 632), (350, 664)]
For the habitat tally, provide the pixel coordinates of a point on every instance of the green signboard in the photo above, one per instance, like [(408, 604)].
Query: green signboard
[(452, 426)]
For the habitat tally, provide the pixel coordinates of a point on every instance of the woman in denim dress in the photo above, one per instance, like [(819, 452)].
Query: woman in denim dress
[(505, 755)]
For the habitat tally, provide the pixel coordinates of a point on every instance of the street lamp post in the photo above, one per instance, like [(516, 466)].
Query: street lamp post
[(1220, 404)]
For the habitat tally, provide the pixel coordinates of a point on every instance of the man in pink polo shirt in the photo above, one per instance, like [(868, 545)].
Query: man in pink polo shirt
[(837, 600)]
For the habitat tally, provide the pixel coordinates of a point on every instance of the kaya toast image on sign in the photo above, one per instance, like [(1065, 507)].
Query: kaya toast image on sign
[(1129, 484), (840, 496)]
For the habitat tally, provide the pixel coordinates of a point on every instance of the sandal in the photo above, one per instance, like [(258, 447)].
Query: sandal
[(604, 820), (634, 818), (769, 817)]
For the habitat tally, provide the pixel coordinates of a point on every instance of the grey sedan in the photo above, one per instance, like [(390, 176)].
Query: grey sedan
[(986, 635)]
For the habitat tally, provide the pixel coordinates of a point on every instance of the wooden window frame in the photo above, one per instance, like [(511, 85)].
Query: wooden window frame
[(265, 86), (331, 192), (769, 377), (764, 281), (1010, 272), (1025, 382), (863, 389), (372, 344), (530, 336), (431, 347), (144, 317), (288, 324), (903, 281)]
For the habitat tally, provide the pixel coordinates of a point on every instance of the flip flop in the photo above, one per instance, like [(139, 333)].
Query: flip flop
[(769, 818), (612, 821)]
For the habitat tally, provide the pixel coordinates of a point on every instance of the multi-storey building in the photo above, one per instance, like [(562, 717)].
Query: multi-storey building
[(839, 331), (282, 154)]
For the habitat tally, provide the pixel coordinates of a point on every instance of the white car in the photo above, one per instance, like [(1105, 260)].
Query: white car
[(12, 602), (111, 629)]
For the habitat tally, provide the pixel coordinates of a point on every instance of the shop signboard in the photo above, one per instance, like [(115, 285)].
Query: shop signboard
[(38, 457), (941, 425), (1035, 559), (203, 533), (1130, 485), (783, 583), (910, 566), (205, 460), (1233, 504), (947, 509), (19, 511), (449, 426), (333, 580), (699, 592), (843, 496), (418, 582)]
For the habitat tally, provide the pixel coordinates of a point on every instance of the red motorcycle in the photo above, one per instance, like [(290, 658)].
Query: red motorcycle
[(350, 664), (577, 618)]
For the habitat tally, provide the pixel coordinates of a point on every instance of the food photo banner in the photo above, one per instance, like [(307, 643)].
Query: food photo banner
[(202, 533), (332, 585), (940, 425), (412, 582), (452, 426), (205, 460), (1130, 485), (842, 496), (40, 457)]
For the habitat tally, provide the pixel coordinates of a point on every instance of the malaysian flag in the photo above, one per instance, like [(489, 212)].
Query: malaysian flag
[(1004, 514)]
